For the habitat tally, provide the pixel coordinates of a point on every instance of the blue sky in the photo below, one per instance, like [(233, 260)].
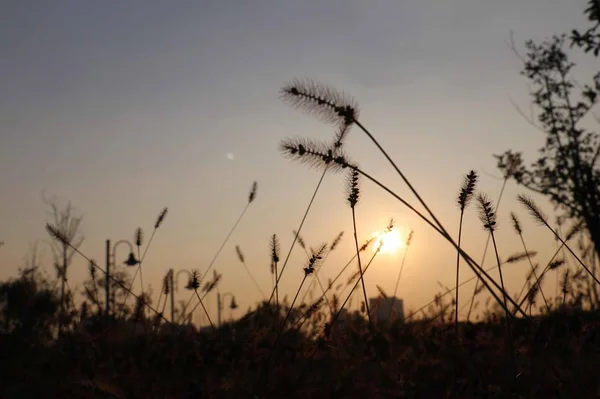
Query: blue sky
[(126, 107)]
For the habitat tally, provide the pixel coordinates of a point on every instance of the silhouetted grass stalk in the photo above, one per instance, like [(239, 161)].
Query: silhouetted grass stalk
[(333, 245), (406, 246), (353, 196), (537, 214), (485, 248), (488, 217), (464, 197), (243, 262), (513, 259), (363, 248), (337, 315), (287, 258), (274, 262), (251, 198), (537, 280), (159, 220), (519, 231), (193, 285), (314, 260)]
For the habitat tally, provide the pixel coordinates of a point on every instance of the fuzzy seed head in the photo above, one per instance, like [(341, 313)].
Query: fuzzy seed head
[(314, 154), (532, 208), (486, 213), (54, 232), (520, 256), (574, 230), (336, 241), (161, 218), (340, 136), (139, 235), (239, 253), (211, 285), (314, 307), (353, 277), (323, 101), (166, 284), (467, 189), (194, 281), (252, 194), (565, 283), (299, 239), (516, 223), (390, 225), (92, 268), (315, 259), (409, 239), (352, 188), (274, 246), (366, 244), (556, 264), (532, 272), (533, 292)]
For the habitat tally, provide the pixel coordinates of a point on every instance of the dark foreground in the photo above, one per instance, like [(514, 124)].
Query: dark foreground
[(556, 357)]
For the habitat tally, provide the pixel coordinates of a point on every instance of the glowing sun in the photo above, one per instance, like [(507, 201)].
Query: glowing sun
[(388, 242)]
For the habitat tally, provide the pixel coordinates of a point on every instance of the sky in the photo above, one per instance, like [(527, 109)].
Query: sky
[(123, 108)]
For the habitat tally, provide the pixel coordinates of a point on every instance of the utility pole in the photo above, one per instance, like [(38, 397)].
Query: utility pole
[(218, 309), (62, 290), (107, 282), (172, 281)]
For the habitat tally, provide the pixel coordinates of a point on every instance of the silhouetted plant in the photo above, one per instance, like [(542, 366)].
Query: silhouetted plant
[(332, 247), (464, 197), (320, 299), (406, 246), (194, 285), (68, 224), (139, 236), (314, 154), (487, 215), (519, 231), (251, 198), (589, 40), (274, 247), (242, 260), (353, 195), (510, 166), (54, 232), (29, 308), (336, 148), (138, 239), (567, 170), (542, 219)]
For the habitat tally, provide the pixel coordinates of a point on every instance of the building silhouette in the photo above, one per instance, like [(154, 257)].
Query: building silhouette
[(380, 308)]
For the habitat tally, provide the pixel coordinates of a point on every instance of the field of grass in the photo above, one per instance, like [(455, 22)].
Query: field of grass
[(530, 345), (556, 356)]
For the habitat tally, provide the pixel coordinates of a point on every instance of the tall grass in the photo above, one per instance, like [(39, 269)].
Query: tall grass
[(359, 351), (488, 217), (464, 197), (138, 239)]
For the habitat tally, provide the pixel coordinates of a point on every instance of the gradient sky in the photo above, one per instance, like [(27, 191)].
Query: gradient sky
[(125, 107)]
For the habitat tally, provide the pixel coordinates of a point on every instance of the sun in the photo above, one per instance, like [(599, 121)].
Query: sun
[(388, 242)]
